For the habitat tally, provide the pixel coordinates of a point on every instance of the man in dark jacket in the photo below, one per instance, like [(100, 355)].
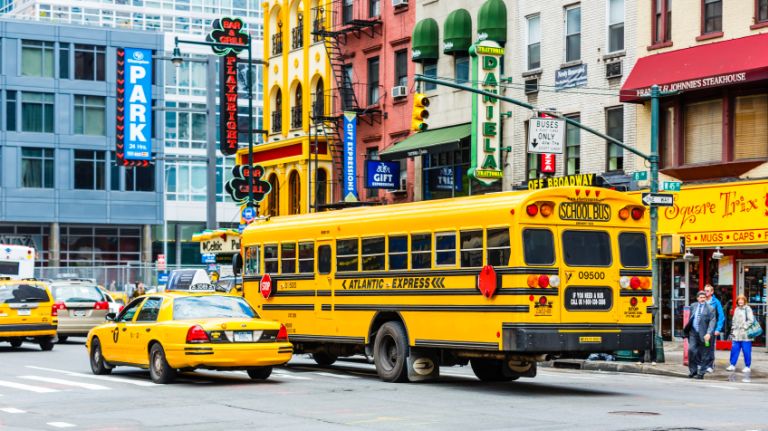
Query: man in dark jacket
[(714, 303), (699, 330)]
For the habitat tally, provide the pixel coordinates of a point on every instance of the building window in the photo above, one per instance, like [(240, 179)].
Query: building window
[(185, 129), (89, 172), (294, 193), (534, 42), (90, 115), (37, 168), (89, 62), (615, 25), (37, 58), (140, 179), (614, 127), (572, 33), (224, 167), (461, 67), (10, 110), (430, 70), (321, 193), (374, 8), (572, 147), (297, 110), (64, 60), (37, 112), (712, 16), (750, 134), (348, 100), (273, 198), (373, 80), (371, 154), (704, 132), (347, 10), (185, 181), (761, 12), (401, 68), (662, 21)]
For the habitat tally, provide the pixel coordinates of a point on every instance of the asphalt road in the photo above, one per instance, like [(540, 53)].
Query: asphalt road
[(56, 390)]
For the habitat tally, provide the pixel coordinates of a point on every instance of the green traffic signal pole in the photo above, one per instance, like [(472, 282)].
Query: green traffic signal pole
[(652, 158)]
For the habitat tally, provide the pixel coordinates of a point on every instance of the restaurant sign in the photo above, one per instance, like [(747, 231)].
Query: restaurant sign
[(725, 214), (486, 112), (696, 84)]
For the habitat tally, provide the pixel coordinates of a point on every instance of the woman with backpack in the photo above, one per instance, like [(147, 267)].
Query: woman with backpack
[(742, 320)]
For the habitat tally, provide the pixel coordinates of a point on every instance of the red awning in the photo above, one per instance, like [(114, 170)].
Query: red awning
[(705, 66)]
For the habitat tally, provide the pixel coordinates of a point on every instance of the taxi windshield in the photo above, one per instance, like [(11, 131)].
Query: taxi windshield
[(22, 293), (210, 306)]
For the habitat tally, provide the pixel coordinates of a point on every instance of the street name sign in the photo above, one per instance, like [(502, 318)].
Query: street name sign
[(658, 199), (670, 186), (640, 175)]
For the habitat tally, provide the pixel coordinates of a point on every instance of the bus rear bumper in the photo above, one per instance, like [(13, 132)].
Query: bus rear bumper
[(575, 338)]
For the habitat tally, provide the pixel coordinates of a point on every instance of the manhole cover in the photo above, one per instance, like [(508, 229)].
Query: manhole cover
[(633, 413)]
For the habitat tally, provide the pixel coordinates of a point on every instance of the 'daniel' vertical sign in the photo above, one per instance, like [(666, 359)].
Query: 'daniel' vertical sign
[(486, 116)]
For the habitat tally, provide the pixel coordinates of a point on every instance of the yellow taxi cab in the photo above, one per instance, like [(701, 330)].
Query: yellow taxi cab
[(27, 313), (171, 331), (197, 280)]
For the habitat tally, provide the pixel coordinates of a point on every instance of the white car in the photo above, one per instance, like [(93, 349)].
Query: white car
[(114, 306)]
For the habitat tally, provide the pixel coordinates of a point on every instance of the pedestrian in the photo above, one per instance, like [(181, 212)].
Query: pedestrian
[(138, 291), (742, 319), (699, 330), (714, 303)]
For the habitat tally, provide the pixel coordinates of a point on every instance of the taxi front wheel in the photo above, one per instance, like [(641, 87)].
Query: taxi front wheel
[(98, 365), (259, 373), (159, 370)]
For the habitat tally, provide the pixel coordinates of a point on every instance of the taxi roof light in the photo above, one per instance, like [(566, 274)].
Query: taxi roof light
[(282, 335), (196, 334)]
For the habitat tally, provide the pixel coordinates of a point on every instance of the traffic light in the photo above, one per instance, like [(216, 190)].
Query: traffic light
[(420, 112), (672, 244)]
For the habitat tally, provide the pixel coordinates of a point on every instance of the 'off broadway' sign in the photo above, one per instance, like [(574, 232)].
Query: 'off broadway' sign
[(486, 118), (134, 106)]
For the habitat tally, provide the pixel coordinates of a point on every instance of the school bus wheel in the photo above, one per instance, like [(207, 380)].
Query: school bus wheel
[(489, 370), (16, 343), (324, 358), (390, 352)]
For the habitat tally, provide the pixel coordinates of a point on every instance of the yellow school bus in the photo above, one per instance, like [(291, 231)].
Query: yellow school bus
[(500, 281)]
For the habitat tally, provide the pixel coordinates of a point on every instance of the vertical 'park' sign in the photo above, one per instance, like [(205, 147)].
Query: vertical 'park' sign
[(134, 106), (486, 116)]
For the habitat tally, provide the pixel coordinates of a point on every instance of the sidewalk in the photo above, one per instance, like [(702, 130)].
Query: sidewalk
[(673, 365)]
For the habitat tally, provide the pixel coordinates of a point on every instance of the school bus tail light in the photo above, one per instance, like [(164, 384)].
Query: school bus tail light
[(637, 213), (533, 281), (532, 210), (624, 282), (635, 282), (645, 283), (624, 213), (633, 302), (282, 334), (546, 209), (554, 281), (196, 334), (543, 281)]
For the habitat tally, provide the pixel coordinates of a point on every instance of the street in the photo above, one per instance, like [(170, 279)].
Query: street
[(56, 390)]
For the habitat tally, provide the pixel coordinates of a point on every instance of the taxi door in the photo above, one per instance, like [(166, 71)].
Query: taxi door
[(142, 330), (116, 342)]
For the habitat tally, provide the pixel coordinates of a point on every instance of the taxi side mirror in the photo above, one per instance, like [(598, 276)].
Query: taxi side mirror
[(111, 316)]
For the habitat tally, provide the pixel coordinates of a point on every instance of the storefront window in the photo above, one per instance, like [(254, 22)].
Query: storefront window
[(704, 132), (751, 127)]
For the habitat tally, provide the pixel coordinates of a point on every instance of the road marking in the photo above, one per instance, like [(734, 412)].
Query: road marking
[(338, 376), (290, 375), (89, 376), (12, 410), (89, 386), (22, 386), (730, 388), (451, 374), (61, 424)]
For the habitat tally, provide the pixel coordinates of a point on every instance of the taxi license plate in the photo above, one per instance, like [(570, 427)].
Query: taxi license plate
[(24, 312), (243, 336), (79, 313)]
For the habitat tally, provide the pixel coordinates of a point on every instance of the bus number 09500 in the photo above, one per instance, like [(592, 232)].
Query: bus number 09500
[(591, 275)]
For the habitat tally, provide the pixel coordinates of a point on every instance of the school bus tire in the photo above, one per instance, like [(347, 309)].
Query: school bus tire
[(324, 358), (16, 343), (490, 370), (390, 352)]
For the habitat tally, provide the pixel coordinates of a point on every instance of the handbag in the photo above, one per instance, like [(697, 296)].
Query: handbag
[(754, 330)]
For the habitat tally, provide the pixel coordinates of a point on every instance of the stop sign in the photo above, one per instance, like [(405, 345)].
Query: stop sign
[(265, 286), (487, 281)]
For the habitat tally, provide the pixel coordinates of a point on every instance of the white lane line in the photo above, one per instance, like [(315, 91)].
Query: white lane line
[(89, 386), (730, 388), (450, 374), (60, 424), (23, 387), (90, 376), (338, 376), (289, 375), (12, 410)]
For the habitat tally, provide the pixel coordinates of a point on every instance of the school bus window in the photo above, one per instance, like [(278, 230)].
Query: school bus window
[(497, 244), (251, 266), (306, 257), (398, 252), (324, 259), (633, 250), (586, 248), (270, 259), (471, 248), (288, 257), (347, 255), (373, 254), (445, 249), (538, 247), (421, 250)]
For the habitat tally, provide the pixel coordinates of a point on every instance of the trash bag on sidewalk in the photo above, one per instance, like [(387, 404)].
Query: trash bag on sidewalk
[(601, 357)]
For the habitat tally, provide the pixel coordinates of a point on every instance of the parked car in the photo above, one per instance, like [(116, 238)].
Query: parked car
[(81, 305)]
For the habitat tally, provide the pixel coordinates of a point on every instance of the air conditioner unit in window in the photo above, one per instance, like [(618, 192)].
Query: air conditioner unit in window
[(396, 3), (531, 86), (399, 91), (403, 187), (613, 70)]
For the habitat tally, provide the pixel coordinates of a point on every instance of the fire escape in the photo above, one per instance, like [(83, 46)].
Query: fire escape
[(334, 24)]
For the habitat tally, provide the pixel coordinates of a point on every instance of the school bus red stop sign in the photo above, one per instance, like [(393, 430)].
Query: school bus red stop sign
[(265, 286)]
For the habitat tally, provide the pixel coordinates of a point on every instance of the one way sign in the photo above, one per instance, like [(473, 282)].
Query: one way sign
[(658, 199)]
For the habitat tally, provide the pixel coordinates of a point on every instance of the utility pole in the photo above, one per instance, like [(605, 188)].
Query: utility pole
[(211, 192)]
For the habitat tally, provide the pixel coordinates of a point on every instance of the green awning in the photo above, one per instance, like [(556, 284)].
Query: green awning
[(492, 21), (422, 142), (457, 32), (425, 44)]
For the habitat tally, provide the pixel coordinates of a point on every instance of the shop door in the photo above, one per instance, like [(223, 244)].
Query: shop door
[(685, 283), (753, 286)]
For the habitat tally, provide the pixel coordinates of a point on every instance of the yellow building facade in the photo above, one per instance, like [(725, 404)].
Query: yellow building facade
[(297, 79)]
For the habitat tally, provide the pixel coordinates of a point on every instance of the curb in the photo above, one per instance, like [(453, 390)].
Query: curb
[(625, 367)]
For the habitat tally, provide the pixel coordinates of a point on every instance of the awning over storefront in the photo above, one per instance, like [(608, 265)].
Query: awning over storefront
[(423, 142), (492, 21), (425, 43), (705, 66), (457, 34)]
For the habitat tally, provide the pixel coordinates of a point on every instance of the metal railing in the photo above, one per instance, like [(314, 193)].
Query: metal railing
[(297, 116), (277, 121), (277, 43), (118, 278), (297, 35)]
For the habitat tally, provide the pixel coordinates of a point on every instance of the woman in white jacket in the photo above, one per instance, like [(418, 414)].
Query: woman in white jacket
[(742, 319)]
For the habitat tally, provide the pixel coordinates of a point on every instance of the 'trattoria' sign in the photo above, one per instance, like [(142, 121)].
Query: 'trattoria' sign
[(486, 116)]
